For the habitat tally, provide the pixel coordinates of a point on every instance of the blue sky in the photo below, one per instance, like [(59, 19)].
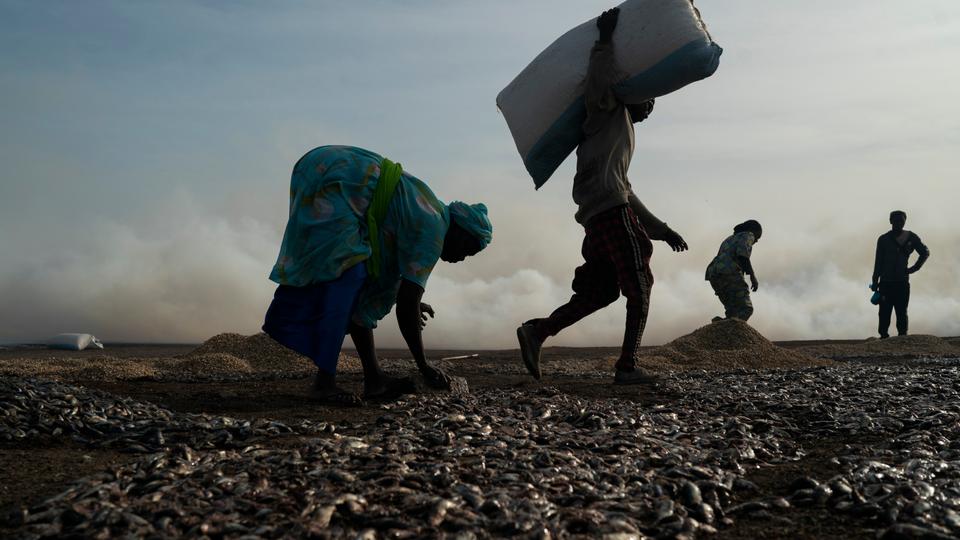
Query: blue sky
[(147, 149)]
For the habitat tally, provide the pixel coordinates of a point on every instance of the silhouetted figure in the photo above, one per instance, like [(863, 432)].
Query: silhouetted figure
[(616, 247), (891, 273), (725, 272)]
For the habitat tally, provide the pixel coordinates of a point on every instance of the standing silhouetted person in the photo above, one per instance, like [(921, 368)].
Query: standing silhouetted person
[(726, 270), (891, 271), (618, 227)]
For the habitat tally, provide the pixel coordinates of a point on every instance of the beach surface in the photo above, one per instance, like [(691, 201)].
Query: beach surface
[(741, 438)]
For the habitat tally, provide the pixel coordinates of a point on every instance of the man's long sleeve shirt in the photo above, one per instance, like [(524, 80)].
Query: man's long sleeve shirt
[(893, 254)]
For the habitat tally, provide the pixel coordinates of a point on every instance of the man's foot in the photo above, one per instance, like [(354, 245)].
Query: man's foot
[(716, 319), (387, 388), (530, 348), (635, 376), (884, 336)]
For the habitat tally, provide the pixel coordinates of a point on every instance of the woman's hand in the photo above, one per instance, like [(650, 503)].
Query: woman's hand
[(434, 377), (425, 310), (754, 284), (412, 316)]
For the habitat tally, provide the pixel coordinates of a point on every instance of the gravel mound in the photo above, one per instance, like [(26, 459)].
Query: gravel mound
[(917, 346), (219, 363), (260, 352), (726, 344), (109, 368), (39, 367)]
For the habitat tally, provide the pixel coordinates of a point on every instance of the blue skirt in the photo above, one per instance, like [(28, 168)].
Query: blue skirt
[(314, 319)]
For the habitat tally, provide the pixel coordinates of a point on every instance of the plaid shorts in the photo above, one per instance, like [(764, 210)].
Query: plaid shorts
[(616, 258), (617, 246)]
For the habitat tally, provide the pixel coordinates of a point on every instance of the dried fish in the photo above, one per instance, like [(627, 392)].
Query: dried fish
[(535, 462)]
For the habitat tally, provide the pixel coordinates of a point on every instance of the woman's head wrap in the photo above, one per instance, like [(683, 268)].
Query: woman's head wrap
[(750, 225), (473, 218)]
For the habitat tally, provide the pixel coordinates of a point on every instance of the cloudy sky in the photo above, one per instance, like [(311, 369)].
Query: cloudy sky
[(146, 149)]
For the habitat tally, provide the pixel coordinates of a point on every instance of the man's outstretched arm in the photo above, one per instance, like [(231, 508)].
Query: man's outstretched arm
[(656, 229)]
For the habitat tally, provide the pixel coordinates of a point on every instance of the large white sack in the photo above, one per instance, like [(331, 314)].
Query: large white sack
[(661, 45), (74, 342)]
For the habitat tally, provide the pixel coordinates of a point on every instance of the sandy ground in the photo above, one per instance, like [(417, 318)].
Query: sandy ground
[(38, 468)]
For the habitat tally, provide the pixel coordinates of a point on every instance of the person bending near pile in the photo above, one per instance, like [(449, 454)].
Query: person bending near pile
[(891, 273), (618, 228), (725, 272), (362, 235)]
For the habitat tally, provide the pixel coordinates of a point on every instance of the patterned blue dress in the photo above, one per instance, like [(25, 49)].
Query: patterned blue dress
[(326, 234)]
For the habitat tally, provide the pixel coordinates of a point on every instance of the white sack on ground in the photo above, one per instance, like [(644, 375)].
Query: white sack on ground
[(74, 342), (661, 45)]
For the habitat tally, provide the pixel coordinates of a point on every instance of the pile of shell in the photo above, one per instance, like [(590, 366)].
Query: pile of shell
[(32, 408), (725, 344)]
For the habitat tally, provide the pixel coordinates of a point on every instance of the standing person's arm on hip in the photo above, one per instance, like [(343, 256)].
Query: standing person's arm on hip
[(655, 227), (924, 253)]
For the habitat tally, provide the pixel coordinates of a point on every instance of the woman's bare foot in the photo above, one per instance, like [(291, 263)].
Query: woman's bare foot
[(325, 391), (386, 387)]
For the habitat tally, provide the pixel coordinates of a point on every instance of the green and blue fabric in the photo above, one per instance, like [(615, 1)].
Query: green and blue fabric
[(331, 190), (390, 173)]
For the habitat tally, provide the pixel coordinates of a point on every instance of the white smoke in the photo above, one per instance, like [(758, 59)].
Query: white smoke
[(182, 274)]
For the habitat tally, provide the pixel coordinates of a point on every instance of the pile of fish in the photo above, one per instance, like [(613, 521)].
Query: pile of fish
[(35, 408), (901, 423), (536, 463)]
